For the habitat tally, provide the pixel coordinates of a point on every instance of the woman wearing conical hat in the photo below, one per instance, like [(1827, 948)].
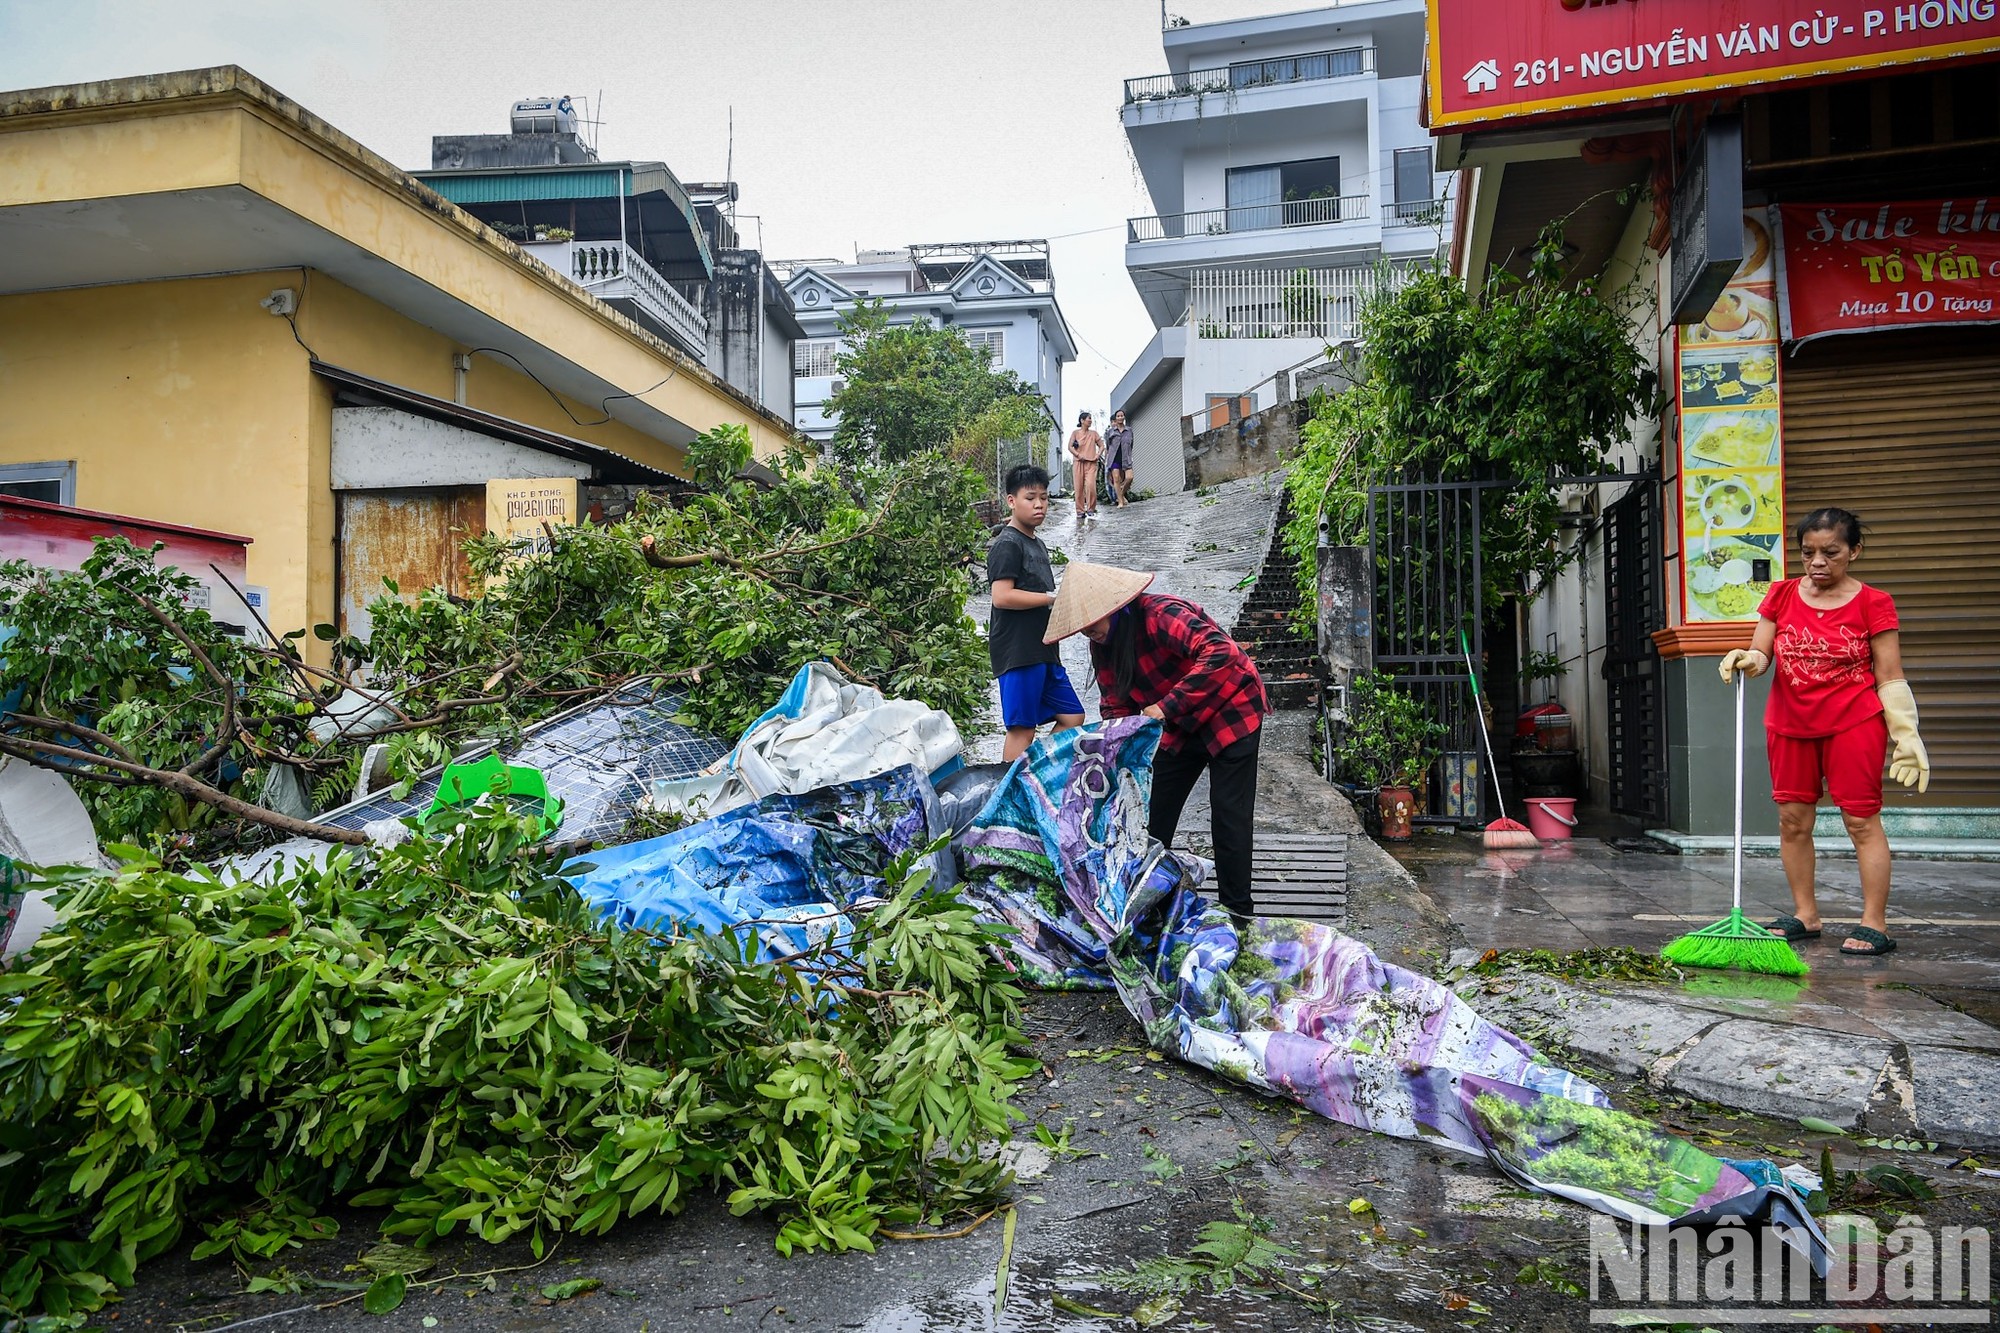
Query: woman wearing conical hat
[(1163, 657)]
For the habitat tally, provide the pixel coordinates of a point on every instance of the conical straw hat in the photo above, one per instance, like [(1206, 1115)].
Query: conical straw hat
[(1088, 594)]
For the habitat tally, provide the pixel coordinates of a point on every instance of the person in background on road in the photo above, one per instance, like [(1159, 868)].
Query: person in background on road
[(1085, 447), (1838, 701), (1163, 657), (1034, 688), (1118, 457)]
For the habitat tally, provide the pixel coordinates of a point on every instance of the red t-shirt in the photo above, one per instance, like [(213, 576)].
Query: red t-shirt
[(1825, 681)]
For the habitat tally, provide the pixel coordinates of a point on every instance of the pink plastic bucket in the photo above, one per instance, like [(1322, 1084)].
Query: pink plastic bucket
[(1551, 817)]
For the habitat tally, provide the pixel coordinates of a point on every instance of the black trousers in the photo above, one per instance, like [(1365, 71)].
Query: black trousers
[(1232, 784)]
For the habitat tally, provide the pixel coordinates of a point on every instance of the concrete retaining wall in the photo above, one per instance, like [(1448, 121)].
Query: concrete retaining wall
[(1257, 443)]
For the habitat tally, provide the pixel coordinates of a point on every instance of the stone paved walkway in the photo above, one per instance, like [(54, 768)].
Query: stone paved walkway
[(1909, 1041)]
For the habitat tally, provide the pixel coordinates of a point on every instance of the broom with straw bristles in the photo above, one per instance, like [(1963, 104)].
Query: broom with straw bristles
[(1503, 833), (1736, 941)]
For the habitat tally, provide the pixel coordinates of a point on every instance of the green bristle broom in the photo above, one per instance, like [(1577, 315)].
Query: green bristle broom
[(1735, 941)]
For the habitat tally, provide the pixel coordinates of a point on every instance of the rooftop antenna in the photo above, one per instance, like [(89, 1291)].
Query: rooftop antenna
[(598, 107), (729, 167)]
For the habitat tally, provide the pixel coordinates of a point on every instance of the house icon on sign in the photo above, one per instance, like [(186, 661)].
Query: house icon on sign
[(1483, 77)]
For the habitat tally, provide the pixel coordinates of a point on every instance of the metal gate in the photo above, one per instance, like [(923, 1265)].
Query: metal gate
[(1633, 609), (1423, 543)]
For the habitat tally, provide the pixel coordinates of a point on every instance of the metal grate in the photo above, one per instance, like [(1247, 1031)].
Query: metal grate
[(1633, 608), (815, 358), (599, 758), (1300, 875), (1424, 546)]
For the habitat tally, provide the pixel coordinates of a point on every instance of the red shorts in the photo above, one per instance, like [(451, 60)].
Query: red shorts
[(1847, 765)]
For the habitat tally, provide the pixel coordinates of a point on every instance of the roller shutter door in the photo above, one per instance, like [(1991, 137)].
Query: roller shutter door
[(1904, 429)]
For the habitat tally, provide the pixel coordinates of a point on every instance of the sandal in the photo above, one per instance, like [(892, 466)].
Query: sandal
[(1877, 942), (1792, 929)]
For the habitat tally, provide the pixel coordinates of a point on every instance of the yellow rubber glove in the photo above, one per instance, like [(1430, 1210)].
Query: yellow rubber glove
[(1747, 660), (1910, 764)]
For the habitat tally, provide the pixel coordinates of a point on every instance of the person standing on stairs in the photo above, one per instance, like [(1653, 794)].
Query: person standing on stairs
[(1163, 657)]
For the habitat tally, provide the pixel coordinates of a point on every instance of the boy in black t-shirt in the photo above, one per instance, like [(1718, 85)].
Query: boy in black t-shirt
[(1034, 688)]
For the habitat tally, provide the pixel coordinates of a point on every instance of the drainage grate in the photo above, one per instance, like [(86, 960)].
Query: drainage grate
[(1301, 875)]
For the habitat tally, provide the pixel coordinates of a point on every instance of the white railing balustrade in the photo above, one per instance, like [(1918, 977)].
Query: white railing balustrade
[(1284, 303), (611, 271), (1415, 213), (1317, 212), (1314, 65)]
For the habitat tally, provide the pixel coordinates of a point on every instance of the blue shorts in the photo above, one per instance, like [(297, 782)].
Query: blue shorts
[(1032, 695)]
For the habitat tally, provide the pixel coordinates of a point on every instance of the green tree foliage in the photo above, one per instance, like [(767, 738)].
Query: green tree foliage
[(1537, 379), (116, 659), (747, 580), (909, 388), (453, 1036)]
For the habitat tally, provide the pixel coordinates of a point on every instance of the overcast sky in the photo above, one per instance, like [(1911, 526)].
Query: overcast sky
[(867, 123)]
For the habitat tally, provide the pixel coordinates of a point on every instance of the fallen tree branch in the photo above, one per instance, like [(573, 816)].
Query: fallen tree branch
[(650, 549), (226, 734), (45, 754)]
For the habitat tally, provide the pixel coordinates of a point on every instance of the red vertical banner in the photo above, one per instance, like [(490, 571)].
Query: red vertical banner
[(1731, 485)]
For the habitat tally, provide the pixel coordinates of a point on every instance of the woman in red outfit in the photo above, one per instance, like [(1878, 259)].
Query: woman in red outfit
[(1838, 701), (1163, 657)]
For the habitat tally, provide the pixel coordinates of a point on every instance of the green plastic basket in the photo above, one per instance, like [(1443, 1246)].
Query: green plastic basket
[(520, 785)]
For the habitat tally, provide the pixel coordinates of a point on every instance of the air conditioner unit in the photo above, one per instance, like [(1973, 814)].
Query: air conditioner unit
[(838, 385)]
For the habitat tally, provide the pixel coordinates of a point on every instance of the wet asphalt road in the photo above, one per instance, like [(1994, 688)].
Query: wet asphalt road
[(1160, 1151)]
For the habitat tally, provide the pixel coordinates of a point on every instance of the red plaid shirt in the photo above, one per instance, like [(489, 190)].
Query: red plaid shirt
[(1203, 682)]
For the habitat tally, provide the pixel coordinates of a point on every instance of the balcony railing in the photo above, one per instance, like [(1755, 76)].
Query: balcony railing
[(613, 271), (1255, 217), (1414, 213), (1323, 303), (1340, 64)]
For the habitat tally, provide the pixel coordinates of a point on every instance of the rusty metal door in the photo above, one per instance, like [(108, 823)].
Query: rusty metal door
[(414, 539)]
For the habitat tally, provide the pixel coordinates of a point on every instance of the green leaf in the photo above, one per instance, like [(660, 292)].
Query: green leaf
[(576, 1286), (1818, 1126), (385, 1293)]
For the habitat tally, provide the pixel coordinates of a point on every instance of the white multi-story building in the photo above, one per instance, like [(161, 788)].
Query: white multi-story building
[(1286, 163), (999, 294)]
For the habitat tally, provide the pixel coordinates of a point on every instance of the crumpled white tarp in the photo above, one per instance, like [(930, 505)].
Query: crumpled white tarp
[(824, 731), (42, 823)]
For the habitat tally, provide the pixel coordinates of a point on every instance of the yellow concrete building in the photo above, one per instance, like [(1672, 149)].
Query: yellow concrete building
[(217, 310)]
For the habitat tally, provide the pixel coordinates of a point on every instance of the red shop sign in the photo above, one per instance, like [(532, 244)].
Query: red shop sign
[(1489, 62), (1850, 268)]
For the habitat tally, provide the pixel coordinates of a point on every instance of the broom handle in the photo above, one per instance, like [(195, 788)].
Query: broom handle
[(1479, 714), (1736, 868)]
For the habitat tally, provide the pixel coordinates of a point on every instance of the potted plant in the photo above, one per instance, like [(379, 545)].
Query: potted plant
[(1387, 745), (1539, 667)]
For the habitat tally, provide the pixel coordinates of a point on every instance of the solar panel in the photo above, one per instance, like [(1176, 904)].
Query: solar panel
[(599, 758)]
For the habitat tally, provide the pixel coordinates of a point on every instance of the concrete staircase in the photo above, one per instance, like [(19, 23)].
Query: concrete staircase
[(1285, 659)]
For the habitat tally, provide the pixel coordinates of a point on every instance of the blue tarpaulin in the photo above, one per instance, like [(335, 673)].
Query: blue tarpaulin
[(786, 866)]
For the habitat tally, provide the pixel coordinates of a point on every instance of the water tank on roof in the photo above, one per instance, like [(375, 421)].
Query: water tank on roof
[(544, 115)]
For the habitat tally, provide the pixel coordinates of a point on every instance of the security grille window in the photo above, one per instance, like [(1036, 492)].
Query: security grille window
[(54, 483), (814, 358), (1413, 182), (994, 341)]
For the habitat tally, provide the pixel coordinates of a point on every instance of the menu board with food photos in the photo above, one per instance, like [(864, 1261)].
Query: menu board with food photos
[(1732, 497)]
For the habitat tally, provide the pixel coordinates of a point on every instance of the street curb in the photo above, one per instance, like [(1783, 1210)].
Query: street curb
[(1386, 908), (1885, 1088)]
